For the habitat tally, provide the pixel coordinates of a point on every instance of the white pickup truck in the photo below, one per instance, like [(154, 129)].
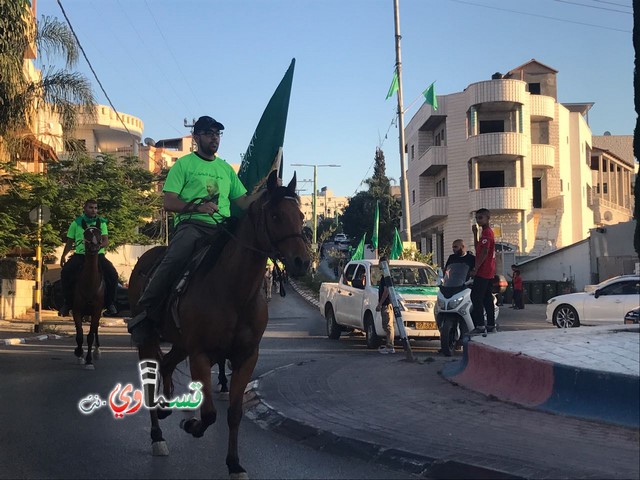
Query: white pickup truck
[(351, 305)]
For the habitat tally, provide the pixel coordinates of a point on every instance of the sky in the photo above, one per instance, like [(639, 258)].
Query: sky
[(166, 60)]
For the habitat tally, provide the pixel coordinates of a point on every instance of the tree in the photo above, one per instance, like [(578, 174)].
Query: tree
[(122, 188), (61, 91), (358, 216)]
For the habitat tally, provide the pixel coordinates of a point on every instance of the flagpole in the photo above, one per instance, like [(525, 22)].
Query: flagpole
[(406, 217)]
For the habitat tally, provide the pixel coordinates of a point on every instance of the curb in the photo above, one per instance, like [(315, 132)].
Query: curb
[(268, 418), (39, 338), (304, 293), (547, 386)]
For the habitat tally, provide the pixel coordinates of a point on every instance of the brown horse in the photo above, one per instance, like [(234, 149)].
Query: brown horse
[(88, 297), (223, 313)]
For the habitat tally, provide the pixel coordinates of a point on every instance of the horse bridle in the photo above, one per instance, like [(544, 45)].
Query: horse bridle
[(87, 243), (275, 243)]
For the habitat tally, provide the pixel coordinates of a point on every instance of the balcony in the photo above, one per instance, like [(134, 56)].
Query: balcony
[(500, 198), (434, 209), (543, 155), (501, 143), (432, 161), (543, 107), (606, 212), (497, 91)]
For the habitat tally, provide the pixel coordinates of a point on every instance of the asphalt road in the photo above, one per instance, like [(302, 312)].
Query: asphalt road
[(45, 435)]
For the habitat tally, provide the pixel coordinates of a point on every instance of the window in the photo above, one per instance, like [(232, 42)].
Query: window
[(437, 140), (491, 126), (441, 188), (491, 179), (413, 196), (360, 278), (412, 151), (604, 188), (348, 274), (534, 88), (621, 288)]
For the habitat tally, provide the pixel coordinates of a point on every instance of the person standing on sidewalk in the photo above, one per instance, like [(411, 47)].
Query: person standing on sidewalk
[(386, 310), (518, 291), (483, 273)]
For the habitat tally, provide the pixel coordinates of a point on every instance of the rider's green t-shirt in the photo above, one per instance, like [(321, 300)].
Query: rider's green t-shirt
[(194, 177), (76, 232)]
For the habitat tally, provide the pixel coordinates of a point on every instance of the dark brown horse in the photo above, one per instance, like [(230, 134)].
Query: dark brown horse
[(223, 313), (88, 297)]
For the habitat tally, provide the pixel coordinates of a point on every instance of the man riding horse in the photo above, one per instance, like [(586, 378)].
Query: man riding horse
[(72, 267), (199, 188)]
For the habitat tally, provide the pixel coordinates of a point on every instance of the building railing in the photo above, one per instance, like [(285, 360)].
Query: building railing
[(543, 106), (497, 91), (543, 155), (500, 198), (431, 161), (498, 143), (435, 207)]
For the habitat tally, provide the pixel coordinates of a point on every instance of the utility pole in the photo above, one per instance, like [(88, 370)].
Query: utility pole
[(36, 326), (315, 195), (406, 217)]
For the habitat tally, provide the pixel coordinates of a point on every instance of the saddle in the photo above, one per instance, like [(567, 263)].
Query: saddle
[(207, 251)]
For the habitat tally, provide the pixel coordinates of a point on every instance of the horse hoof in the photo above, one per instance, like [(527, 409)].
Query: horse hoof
[(239, 476), (160, 449), (80, 361), (89, 366)]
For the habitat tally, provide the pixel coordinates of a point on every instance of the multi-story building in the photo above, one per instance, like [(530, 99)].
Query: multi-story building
[(327, 205), (506, 144)]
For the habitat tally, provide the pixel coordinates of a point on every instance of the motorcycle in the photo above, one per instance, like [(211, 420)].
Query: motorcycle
[(453, 307)]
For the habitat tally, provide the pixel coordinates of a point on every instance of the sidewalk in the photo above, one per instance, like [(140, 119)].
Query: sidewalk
[(409, 416), (17, 331)]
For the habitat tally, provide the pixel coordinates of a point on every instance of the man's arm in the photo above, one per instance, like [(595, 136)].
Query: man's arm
[(105, 241), (244, 201), (480, 258), (173, 203), (67, 248)]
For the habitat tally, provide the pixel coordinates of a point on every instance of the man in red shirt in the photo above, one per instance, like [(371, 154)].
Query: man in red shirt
[(483, 273)]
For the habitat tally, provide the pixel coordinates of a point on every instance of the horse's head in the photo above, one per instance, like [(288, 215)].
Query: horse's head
[(283, 223), (92, 238)]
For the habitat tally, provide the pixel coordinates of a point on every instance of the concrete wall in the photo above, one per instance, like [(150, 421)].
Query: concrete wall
[(16, 297), (616, 243), (567, 263)]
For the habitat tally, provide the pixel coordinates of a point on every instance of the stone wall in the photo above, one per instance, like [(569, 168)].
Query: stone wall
[(16, 297)]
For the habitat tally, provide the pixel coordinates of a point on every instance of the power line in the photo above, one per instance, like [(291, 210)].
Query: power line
[(612, 3), (541, 16), (593, 6), (93, 71), (186, 81)]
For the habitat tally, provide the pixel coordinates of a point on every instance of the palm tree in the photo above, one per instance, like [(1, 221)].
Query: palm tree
[(59, 90)]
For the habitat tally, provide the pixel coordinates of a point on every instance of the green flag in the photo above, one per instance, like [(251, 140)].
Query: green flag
[(394, 85), (396, 249), (359, 253), (376, 221), (264, 153), (430, 96)]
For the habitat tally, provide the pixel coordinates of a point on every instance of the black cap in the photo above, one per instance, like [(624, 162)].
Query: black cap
[(206, 123)]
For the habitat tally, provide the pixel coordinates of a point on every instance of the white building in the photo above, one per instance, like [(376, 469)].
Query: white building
[(506, 144)]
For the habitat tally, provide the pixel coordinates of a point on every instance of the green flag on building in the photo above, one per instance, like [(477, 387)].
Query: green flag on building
[(394, 85), (359, 253), (376, 222), (264, 153), (396, 248), (430, 96)]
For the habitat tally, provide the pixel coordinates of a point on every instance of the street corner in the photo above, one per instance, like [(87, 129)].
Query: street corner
[(15, 339)]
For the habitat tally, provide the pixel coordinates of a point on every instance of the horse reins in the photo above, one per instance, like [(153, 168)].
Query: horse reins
[(273, 255)]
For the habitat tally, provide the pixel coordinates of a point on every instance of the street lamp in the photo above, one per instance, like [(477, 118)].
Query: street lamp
[(315, 193)]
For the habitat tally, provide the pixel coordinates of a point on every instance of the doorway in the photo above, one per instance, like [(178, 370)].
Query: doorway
[(537, 192)]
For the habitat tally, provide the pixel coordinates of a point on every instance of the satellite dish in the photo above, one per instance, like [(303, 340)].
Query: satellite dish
[(149, 142), (607, 133)]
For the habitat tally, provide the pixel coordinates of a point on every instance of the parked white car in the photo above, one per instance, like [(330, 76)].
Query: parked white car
[(606, 304)]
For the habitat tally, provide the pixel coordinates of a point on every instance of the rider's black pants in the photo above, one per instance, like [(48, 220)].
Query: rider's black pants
[(72, 269), (482, 300)]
